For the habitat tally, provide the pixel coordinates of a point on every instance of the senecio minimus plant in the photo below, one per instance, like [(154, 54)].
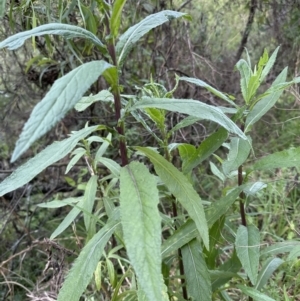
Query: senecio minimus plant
[(133, 219)]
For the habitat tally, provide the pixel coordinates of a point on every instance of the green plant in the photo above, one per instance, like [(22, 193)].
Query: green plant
[(127, 211)]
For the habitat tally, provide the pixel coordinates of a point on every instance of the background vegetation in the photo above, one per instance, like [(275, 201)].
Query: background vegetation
[(208, 47)]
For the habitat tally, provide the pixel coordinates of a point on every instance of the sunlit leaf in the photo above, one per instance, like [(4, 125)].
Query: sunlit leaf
[(181, 188), (62, 96), (269, 64), (45, 158), (115, 18), (141, 225)]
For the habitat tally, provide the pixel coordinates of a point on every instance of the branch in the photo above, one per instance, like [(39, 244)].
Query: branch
[(253, 6)]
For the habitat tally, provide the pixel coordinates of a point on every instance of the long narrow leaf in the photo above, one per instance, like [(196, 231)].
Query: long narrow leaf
[(196, 272), (247, 247), (2, 8), (193, 108), (286, 158), (115, 18), (220, 207), (267, 271), (89, 200), (280, 248), (205, 149), (83, 268), (141, 224), (62, 96), (68, 220), (269, 64), (245, 72), (187, 232), (181, 188), (266, 103), (45, 158), (211, 89), (65, 30), (226, 271), (134, 33), (238, 153), (255, 294)]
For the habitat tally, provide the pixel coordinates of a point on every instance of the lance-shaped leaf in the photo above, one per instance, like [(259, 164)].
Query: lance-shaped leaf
[(84, 266), (68, 220), (247, 245), (294, 254), (59, 203), (141, 225), (115, 18), (267, 102), (245, 72), (65, 30), (87, 101), (89, 200), (226, 271), (280, 248), (62, 96), (134, 33), (2, 8), (112, 165), (267, 271), (187, 232), (45, 158), (181, 188), (238, 153), (211, 89), (253, 293), (193, 108), (196, 272), (286, 158), (220, 207), (205, 149), (269, 64)]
